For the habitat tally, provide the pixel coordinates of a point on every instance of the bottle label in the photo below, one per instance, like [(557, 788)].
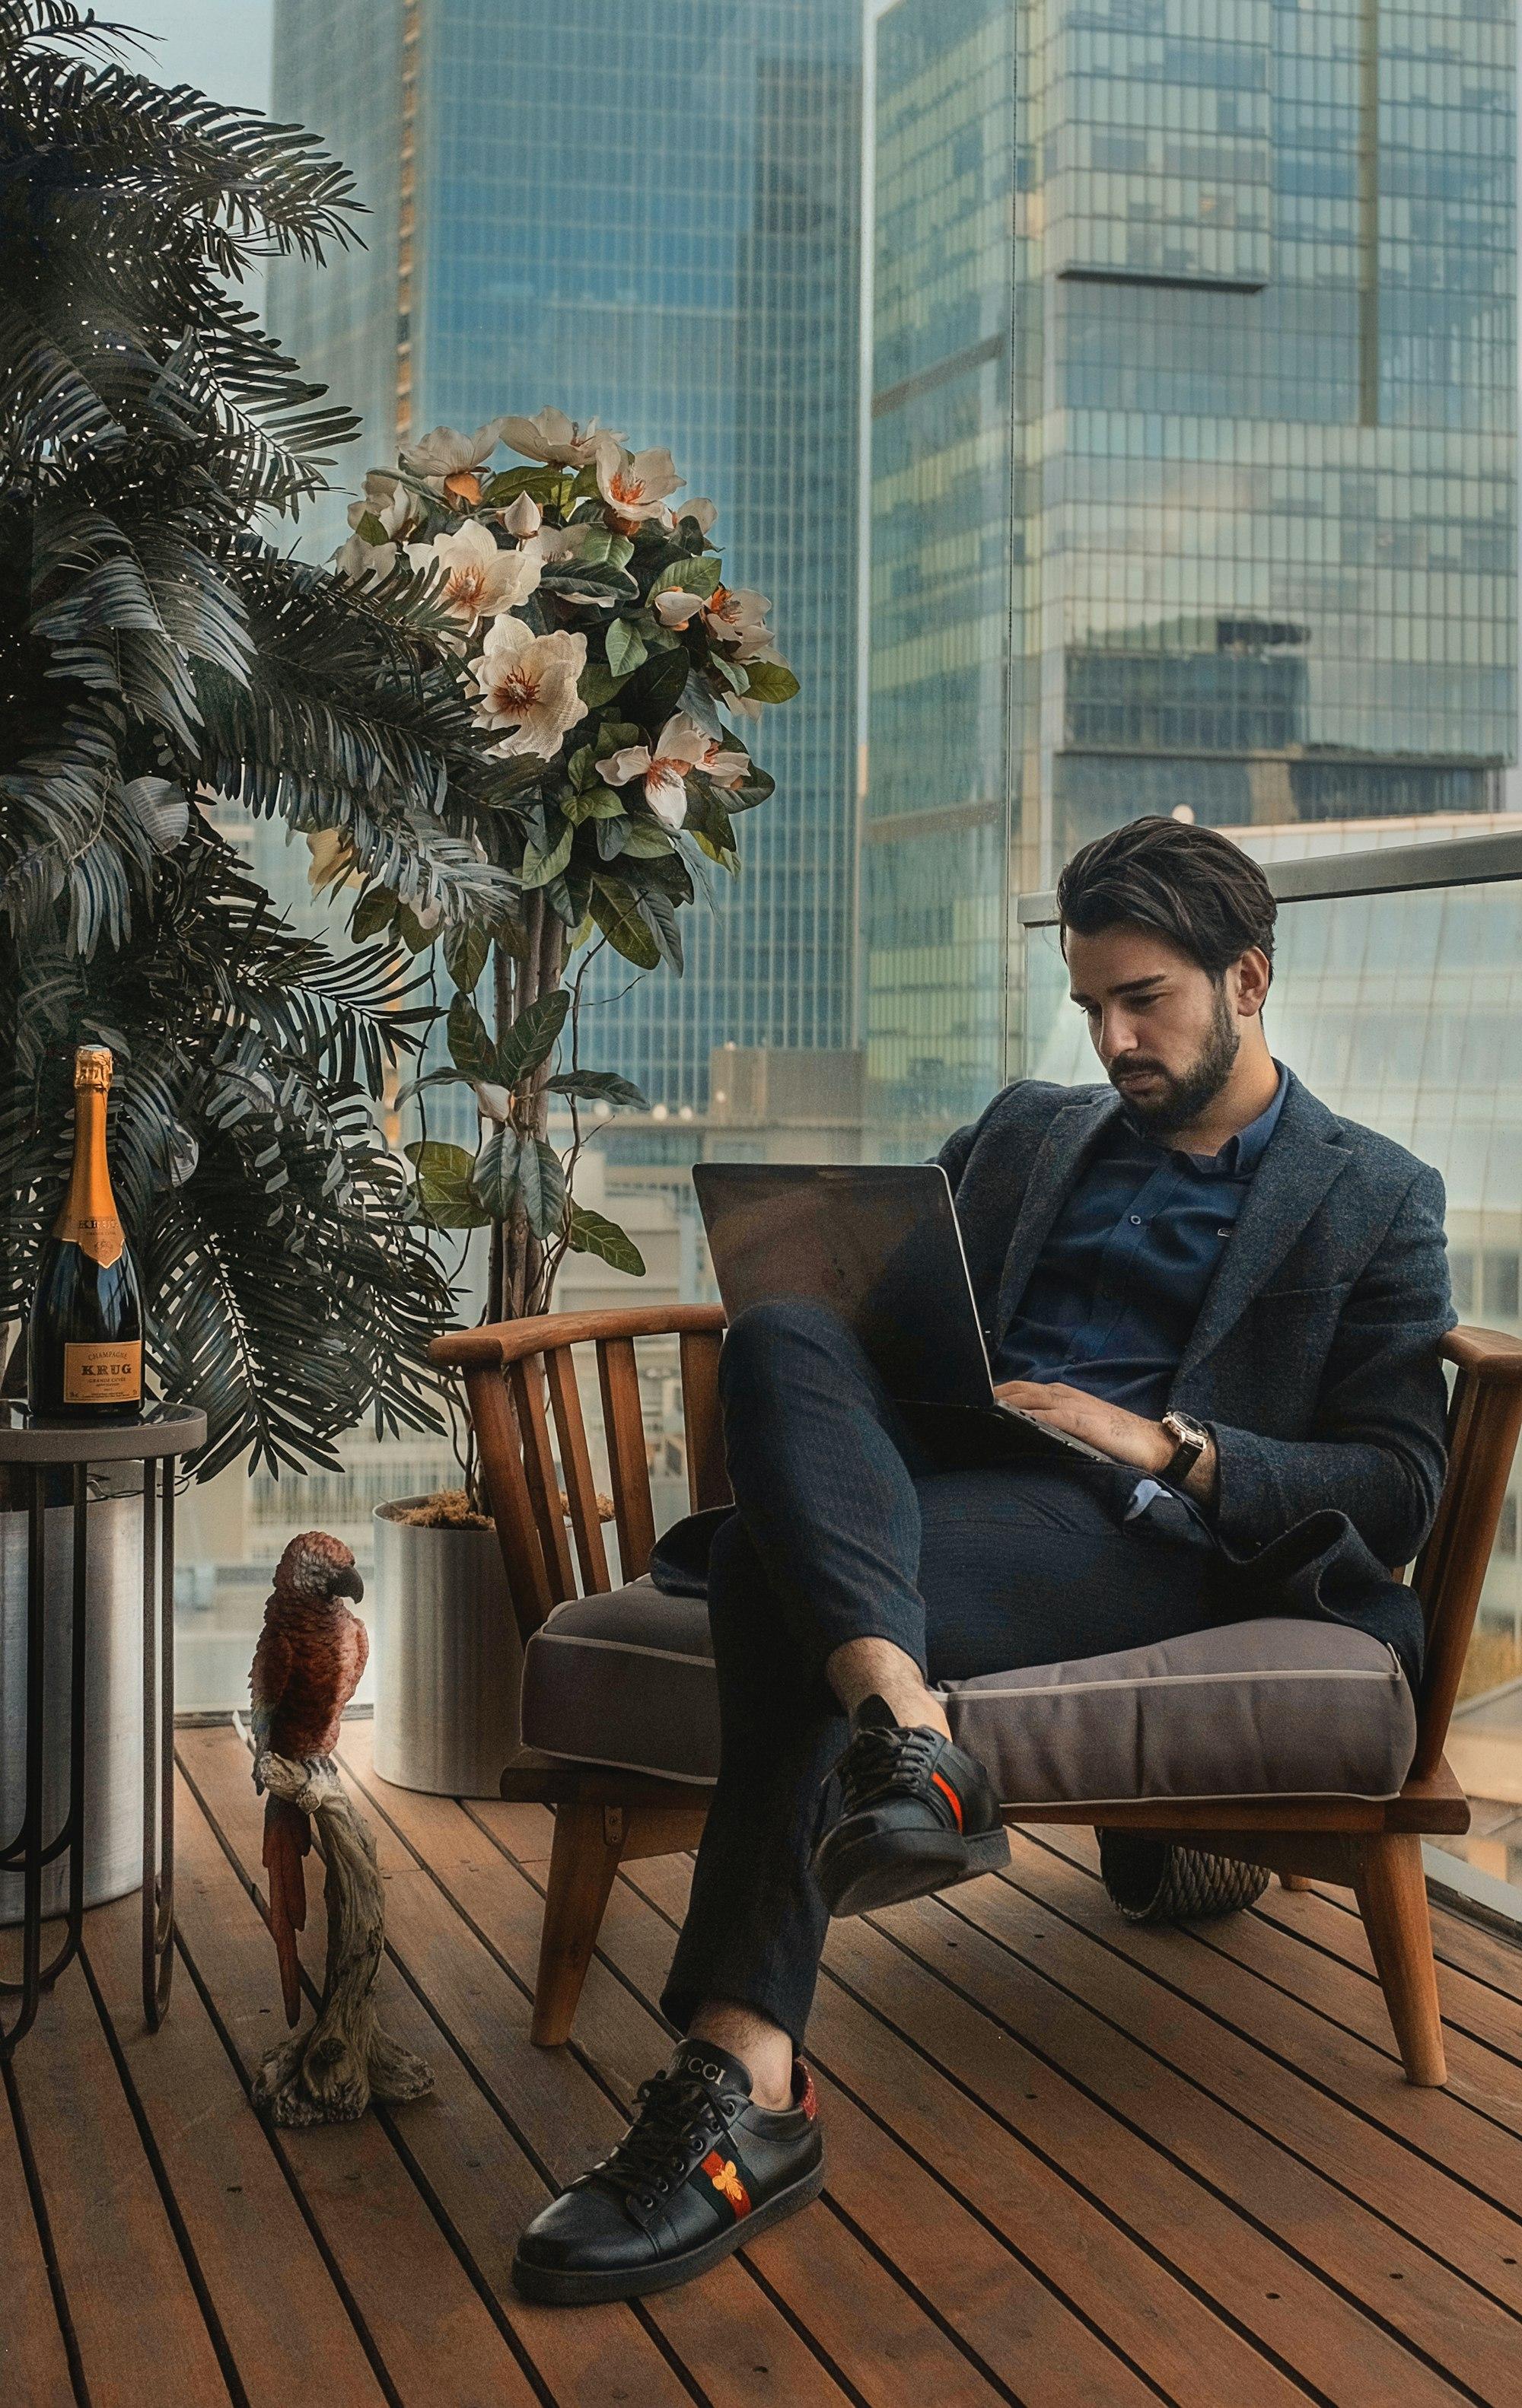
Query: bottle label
[(96, 1234), (103, 1371)]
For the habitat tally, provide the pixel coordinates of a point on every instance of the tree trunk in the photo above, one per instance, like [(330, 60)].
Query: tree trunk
[(515, 1268)]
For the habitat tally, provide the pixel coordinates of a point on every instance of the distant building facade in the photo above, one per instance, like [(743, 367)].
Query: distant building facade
[(1192, 479), (648, 214)]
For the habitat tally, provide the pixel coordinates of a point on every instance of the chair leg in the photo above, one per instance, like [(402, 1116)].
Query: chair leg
[(1296, 1882), (1391, 1891), (584, 1858)]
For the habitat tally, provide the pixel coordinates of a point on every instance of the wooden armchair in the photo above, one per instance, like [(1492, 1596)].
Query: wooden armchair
[(519, 1375)]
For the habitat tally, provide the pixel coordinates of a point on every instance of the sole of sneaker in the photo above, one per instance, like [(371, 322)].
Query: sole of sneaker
[(874, 1871), (566, 2287)]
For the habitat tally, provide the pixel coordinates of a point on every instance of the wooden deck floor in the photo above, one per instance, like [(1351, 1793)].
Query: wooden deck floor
[(1072, 2165)]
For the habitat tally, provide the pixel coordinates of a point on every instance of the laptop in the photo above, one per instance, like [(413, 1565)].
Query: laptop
[(881, 1246)]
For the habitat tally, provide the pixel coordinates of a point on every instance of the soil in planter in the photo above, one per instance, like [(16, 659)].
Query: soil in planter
[(448, 1509)]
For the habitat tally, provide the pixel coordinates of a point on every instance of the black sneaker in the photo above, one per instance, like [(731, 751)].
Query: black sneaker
[(699, 2172), (916, 1815)]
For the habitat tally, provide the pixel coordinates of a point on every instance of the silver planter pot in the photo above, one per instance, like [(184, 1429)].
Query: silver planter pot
[(448, 1660), (113, 1694)]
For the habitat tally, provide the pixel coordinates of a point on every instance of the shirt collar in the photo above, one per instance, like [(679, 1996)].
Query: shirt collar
[(1241, 1155)]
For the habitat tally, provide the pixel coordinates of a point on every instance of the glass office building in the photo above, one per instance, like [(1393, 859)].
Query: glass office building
[(1191, 478), (649, 215)]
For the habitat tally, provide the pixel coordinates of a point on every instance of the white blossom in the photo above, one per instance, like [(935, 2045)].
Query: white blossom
[(447, 461), (662, 769), (481, 578), (553, 438), (635, 484), (526, 684)]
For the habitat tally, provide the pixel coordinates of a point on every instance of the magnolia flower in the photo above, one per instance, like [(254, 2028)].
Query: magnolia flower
[(448, 461), (494, 1102), (479, 579), (528, 683), (701, 512), (635, 484), (553, 438), (680, 746), (727, 769), (364, 564), (386, 499), (522, 517), (736, 619)]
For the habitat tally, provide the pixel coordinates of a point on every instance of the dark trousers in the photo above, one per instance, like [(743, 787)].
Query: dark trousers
[(851, 1523)]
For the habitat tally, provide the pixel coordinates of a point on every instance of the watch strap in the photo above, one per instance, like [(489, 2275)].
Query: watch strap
[(1184, 1456)]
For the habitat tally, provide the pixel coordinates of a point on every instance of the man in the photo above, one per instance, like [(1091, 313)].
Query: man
[(1199, 1269)]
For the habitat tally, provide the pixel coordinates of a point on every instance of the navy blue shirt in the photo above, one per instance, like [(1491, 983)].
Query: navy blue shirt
[(1118, 1285)]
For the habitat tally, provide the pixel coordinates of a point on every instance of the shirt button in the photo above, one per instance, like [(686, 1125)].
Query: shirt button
[(1135, 1220)]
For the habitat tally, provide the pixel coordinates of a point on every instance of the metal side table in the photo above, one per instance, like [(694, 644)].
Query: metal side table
[(45, 1451)]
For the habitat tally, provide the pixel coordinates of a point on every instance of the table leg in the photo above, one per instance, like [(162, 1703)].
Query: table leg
[(158, 1742)]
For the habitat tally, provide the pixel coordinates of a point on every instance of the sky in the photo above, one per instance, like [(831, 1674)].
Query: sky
[(220, 46)]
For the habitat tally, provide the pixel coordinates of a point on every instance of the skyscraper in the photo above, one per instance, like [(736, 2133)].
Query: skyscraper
[(1193, 464), (646, 214)]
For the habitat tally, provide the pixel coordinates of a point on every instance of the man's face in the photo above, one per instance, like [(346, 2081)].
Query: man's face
[(1165, 1030)]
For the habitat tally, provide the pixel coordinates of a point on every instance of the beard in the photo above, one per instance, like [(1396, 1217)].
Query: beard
[(1178, 1097)]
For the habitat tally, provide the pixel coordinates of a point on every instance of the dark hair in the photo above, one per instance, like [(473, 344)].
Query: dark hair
[(1190, 885)]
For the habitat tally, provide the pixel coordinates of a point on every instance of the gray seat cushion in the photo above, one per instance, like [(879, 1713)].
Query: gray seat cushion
[(1271, 1707)]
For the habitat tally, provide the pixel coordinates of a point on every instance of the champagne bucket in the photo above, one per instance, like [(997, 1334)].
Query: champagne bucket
[(113, 1698), (448, 1661)]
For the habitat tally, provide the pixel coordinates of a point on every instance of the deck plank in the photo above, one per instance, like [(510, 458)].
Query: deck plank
[(624, 2045), (423, 2316), (1073, 1989), (137, 2321), (34, 2362), (237, 2206)]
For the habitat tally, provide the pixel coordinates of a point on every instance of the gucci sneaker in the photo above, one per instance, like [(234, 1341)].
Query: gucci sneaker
[(699, 2172), (917, 1815)]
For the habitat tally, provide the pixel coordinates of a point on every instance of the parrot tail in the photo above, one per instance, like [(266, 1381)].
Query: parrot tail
[(287, 1838)]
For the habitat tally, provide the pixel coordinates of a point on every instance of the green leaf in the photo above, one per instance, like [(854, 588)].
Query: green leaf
[(465, 952), (597, 803), (376, 910), (543, 482), (531, 1039), (601, 1086), (432, 1079), (493, 1179), (615, 913), (433, 1160), (597, 685), (771, 681), (470, 1047), (539, 867), (369, 529), (616, 735), (542, 1184), (725, 855), (593, 1233), (415, 936), (626, 647), (659, 915), (645, 839), (731, 672), (656, 689), (699, 576)]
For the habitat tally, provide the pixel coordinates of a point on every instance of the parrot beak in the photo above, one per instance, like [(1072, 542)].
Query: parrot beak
[(348, 1583)]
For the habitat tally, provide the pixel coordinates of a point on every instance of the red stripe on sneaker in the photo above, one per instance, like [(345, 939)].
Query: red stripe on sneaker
[(725, 2176), (945, 1787)]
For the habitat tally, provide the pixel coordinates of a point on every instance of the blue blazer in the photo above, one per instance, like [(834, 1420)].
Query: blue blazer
[(1314, 1360)]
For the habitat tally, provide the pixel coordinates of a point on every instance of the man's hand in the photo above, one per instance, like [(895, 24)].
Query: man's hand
[(1128, 1436)]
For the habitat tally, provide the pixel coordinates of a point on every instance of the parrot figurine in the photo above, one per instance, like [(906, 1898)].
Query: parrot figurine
[(312, 1653)]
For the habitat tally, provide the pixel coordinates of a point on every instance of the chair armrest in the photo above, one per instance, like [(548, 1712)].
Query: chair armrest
[(1490, 1356), (497, 1343)]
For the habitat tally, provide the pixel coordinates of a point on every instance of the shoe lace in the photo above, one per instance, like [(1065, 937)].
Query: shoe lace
[(678, 2123), (887, 1763)]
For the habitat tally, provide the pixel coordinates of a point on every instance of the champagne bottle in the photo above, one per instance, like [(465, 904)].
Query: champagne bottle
[(85, 1338)]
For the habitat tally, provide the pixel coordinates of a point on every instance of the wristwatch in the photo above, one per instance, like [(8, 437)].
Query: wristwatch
[(1191, 1438)]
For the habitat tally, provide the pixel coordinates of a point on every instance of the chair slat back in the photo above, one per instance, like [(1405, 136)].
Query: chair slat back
[(627, 1461), (1484, 1425), (707, 1482), (576, 1470), (506, 1493), (539, 1468)]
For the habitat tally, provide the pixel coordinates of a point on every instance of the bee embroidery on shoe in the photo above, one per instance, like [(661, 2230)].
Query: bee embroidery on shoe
[(722, 2174)]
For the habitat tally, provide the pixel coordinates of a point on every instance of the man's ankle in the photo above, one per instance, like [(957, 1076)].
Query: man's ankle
[(867, 1668), (764, 2049)]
